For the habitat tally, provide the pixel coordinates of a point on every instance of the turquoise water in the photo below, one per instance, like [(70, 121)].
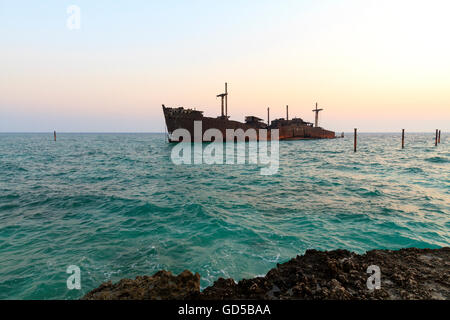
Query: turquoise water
[(116, 206)]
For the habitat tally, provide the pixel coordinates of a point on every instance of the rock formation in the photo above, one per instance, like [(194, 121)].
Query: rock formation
[(405, 274)]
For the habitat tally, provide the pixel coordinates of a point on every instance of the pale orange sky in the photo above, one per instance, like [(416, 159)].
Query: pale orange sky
[(375, 65)]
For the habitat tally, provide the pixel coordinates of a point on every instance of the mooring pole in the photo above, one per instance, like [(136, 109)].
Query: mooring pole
[(439, 137), (403, 138), (54, 135), (355, 140), (436, 139), (268, 117), (287, 112)]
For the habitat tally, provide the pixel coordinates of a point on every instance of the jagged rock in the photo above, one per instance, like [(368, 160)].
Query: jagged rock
[(161, 286), (405, 274)]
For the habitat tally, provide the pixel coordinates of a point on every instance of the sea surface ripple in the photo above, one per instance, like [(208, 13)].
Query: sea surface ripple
[(117, 207)]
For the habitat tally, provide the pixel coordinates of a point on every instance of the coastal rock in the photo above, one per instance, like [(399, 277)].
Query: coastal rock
[(163, 285), (338, 275)]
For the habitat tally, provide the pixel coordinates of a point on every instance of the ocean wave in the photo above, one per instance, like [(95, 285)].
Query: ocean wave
[(437, 159), (119, 210)]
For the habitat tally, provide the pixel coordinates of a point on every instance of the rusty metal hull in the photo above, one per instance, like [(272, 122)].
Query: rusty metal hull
[(180, 118)]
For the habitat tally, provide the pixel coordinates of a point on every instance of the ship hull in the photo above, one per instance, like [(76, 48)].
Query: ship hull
[(178, 119)]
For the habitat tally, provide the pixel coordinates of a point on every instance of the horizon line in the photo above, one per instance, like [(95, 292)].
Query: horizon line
[(154, 132)]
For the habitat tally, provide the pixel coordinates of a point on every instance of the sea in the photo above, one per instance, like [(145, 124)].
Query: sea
[(116, 206)]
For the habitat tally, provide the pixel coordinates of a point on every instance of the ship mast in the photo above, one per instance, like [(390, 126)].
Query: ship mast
[(317, 115), (224, 101)]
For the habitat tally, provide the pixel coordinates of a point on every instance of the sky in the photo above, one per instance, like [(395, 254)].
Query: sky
[(372, 65)]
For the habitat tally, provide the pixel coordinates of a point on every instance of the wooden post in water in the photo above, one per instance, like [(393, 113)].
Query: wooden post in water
[(403, 138), (268, 117), (355, 140), (54, 135), (436, 139), (439, 137)]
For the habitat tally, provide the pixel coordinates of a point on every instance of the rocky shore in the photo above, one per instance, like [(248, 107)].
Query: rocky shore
[(405, 274)]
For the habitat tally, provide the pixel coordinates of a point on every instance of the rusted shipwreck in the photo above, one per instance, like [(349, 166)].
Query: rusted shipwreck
[(293, 129)]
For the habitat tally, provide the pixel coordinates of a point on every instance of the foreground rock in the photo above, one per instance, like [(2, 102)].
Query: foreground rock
[(161, 286), (340, 274)]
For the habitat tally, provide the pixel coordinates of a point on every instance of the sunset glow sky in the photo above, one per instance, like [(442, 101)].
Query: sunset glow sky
[(374, 65)]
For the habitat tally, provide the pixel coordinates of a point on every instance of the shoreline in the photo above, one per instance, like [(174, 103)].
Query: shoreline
[(405, 274)]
